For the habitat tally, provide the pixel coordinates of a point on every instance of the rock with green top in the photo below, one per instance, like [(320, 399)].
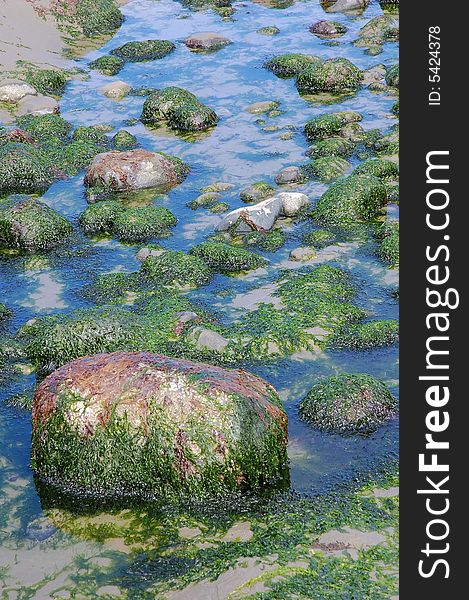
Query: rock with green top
[(144, 50), (108, 65), (24, 169), (47, 81), (335, 75), (123, 140), (31, 225), (257, 191), (176, 269), (325, 168), (290, 65), (348, 404), (146, 425), (388, 236), (330, 124), (225, 258), (366, 336)]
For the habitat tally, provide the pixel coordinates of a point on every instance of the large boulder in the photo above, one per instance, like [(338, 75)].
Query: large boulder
[(31, 225), (348, 404), (335, 75), (24, 169), (141, 424), (135, 170), (144, 50)]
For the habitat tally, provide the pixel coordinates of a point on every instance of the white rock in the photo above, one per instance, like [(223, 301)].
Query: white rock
[(302, 254), (144, 253), (292, 202), (13, 90), (348, 5), (116, 90), (261, 216), (37, 105)]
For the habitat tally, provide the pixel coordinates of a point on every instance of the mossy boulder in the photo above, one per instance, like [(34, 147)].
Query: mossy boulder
[(137, 224), (31, 225), (47, 81), (380, 29), (333, 146), (140, 424), (225, 258), (330, 124), (352, 199), (45, 128), (392, 76), (381, 168), (325, 168), (107, 65), (268, 241), (290, 65), (257, 191), (24, 169), (179, 108), (365, 336), (144, 50), (334, 75), (176, 269), (91, 134), (388, 236), (123, 140), (96, 17), (134, 170), (348, 404)]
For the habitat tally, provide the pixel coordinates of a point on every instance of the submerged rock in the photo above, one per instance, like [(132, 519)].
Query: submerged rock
[(327, 28), (116, 89), (207, 41), (134, 170), (142, 424), (207, 339), (31, 225), (348, 404)]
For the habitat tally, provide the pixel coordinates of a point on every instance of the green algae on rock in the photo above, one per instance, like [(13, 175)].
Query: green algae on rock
[(176, 269), (320, 238), (325, 168), (108, 65), (331, 146), (24, 169), (381, 168), (144, 50), (348, 404), (47, 81), (257, 191), (147, 425), (392, 76), (123, 140), (330, 124), (388, 236), (290, 65), (224, 258), (268, 241), (365, 336), (334, 75), (180, 108), (31, 225), (358, 197)]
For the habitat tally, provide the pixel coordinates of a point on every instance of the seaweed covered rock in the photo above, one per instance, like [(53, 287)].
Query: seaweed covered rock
[(206, 41), (225, 258), (94, 17), (358, 197), (268, 241), (180, 108), (392, 76), (5, 313), (330, 124), (144, 50), (47, 81), (134, 170), (388, 236), (381, 29), (348, 404), (123, 140), (331, 146), (107, 65), (327, 29), (379, 167), (45, 128), (320, 238), (257, 191), (365, 336), (334, 75), (176, 269), (290, 65), (325, 168), (135, 224), (24, 169), (147, 425), (31, 225)]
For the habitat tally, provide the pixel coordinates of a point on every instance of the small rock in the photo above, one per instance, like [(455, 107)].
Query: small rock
[(37, 105), (116, 90), (207, 41), (187, 316), (302, 254), (144, 253), (375, 74), (207, 339), (217, 186), (261, 107), (14, 90), (288, 175), (269, 30), (327, 28), (347, 5)]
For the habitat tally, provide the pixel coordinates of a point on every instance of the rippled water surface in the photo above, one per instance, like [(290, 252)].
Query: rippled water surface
[(239, 151)]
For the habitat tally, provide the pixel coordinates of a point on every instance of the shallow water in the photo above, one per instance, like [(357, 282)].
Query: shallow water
[(240, 152)]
